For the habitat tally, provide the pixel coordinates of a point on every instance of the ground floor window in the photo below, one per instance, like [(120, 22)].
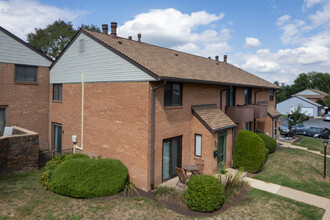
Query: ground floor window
[(171, 157), (248, 126), (198, 145), (57, 137), (3, 118)]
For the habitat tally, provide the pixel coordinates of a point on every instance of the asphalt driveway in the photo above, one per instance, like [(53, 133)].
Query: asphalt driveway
[(315, 122)]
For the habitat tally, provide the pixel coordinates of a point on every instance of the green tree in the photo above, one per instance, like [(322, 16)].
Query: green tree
[(54, 38), (296, 118)]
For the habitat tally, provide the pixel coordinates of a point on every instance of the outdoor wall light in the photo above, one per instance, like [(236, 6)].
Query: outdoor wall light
[(325, 143), (215, 153)]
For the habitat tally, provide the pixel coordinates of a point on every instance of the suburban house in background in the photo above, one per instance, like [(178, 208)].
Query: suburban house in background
[(308, 106), (314, 95), (24, 86), (151, 107)]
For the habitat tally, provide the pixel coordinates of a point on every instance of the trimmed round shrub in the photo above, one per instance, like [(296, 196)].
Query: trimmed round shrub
[(205, 193), (89, 178), (270, 143), (249, 152), (75, 156)]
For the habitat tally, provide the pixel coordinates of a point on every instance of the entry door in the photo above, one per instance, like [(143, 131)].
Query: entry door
[(171, 157), (222, 147), (3, 121), (275, 127), (57, 137)]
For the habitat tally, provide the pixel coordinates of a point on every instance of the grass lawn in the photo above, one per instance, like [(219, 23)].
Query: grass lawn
[(312, 144), (299, 170), (22, 197)]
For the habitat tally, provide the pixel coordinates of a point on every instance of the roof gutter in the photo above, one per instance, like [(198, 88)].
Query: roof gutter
[(152, 157)]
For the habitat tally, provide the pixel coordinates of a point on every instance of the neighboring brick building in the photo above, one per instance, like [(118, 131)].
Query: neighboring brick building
[(24, 86), (151, 107)]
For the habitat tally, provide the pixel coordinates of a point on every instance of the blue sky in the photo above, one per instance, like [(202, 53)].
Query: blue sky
[(274, 39)]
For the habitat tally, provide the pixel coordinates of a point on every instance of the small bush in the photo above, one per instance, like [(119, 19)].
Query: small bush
[(249, 151), (205, 193), (270, 143), (55, 162), (83, 178)]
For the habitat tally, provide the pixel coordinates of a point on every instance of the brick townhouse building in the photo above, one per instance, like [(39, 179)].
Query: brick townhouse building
[(24, 86), (151, 107)]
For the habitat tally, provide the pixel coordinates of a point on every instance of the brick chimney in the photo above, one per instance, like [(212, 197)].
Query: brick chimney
[(217, 58), (139, 37), (129, 37), (225, 58), (105, 28), (113, 29)]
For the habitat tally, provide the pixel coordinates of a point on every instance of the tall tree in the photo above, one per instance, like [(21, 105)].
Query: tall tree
[(54, 38)]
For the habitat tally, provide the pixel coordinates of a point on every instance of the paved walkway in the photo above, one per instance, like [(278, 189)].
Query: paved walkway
[(293, 194), (289, 145)]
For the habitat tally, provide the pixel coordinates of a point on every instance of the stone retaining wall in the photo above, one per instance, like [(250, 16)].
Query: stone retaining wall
[(19, 152)]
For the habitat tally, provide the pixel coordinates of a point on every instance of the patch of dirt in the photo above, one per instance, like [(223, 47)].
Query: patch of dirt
[(297, 140)]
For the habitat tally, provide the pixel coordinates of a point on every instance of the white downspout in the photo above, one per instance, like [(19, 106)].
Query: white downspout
[(82, 114)]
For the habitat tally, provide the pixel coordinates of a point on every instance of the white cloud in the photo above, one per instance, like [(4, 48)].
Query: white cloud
[(21, 17), (252, 42), (174, 29), (321, 16), (281, 20), (310, 3)]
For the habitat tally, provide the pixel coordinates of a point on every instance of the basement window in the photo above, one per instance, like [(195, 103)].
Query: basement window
[(57, 92), (173, 94), (25, 73)]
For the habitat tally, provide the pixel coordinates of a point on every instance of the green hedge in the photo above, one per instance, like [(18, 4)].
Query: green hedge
[(249, 151), (270, 143), (54, 163), (83, 178), (205, 193)]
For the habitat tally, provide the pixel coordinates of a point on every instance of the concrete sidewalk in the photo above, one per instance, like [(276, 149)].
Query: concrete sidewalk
[(293, 194), (289, 145)]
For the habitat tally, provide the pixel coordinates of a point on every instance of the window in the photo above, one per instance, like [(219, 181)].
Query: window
[(271, 95), (248, 92), (3, 118), (173, 94), (198, 145), (26, 73), (171, 157), (56, 137), (248, 126), (230, 96), (57, 92)]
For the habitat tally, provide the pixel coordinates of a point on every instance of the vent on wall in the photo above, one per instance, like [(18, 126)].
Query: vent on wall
[(81, 45)]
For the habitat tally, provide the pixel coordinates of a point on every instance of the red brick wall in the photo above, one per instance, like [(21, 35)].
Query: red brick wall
[(116, 123), (179, 121), (28, 104)]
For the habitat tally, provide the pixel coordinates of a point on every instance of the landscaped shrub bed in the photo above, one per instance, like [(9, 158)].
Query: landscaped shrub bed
[(249, 152), (270, 143), (89, 178), (205, 193)]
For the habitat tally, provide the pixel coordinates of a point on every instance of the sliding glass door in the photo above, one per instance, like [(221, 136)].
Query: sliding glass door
[(57, 137), (3, 118), (171, 157)]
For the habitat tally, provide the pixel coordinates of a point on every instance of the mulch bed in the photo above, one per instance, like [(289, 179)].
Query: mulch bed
[(175, 206), (184, 210)]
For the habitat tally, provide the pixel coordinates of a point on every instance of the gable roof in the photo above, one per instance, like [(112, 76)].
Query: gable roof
[(25, 44), (319, 92), (171, 65), (308, 100), (212, 117)]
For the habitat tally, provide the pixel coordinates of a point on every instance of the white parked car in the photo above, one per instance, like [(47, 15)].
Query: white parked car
[(326, 117)]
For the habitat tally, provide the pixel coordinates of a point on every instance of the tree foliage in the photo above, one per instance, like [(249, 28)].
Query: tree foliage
[(314, 80), (296, 117), (53, 39)]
